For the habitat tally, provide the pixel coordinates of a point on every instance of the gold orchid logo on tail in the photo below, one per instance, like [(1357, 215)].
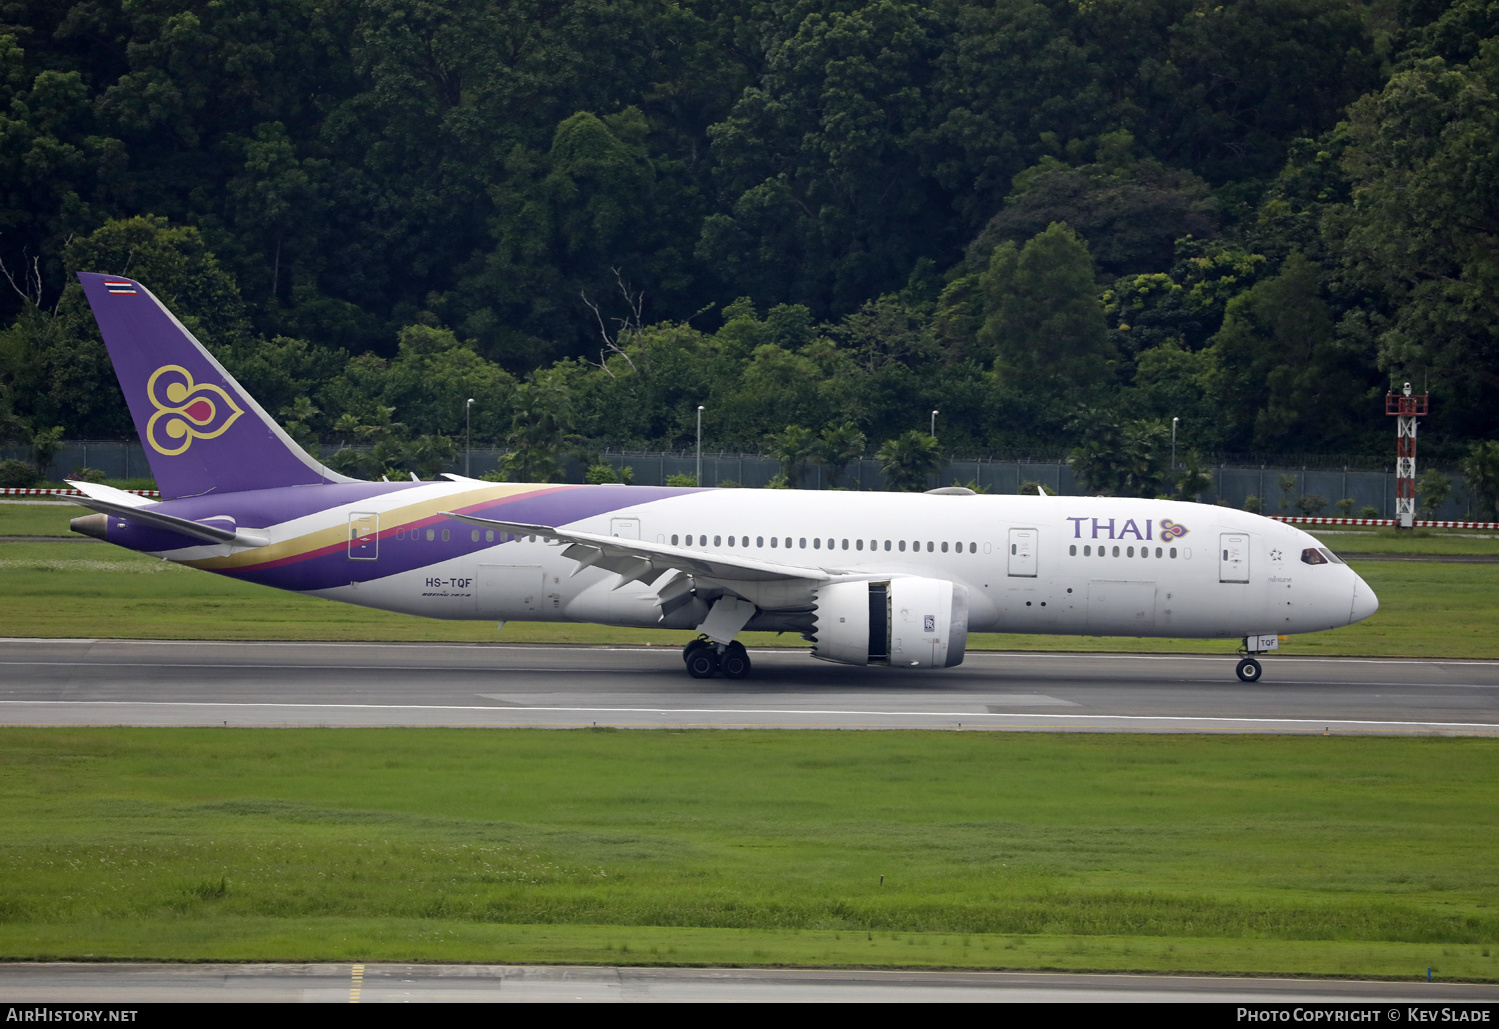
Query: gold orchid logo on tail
[(185, 410)]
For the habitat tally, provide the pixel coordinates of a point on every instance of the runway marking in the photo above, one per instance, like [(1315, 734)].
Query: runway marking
[(356, 983), (667, 647), (1074, 719), (461, 669)]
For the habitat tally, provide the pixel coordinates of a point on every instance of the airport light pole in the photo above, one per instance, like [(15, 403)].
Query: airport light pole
[(468, 435), (1173, 443), (933, 433), (699, 444)]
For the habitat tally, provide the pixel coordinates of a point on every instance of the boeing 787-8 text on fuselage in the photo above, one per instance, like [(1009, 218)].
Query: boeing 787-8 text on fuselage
[(885, 579)]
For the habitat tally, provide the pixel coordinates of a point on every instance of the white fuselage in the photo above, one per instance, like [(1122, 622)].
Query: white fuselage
[(1064, 565)]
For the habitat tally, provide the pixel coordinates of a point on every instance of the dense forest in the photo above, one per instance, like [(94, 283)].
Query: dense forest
[(1062, 223)]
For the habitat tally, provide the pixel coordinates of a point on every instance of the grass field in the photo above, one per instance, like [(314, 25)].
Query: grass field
[(1241, 854), (93, 589)]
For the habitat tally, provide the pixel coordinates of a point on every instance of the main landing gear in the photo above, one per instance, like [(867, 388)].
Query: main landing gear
[(1249, 670), (705, 659)]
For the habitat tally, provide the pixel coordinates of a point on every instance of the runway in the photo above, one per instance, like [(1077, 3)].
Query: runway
[(125, 984), (108, 682)]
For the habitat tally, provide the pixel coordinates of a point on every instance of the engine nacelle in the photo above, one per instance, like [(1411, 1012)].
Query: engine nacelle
[(904, 622)]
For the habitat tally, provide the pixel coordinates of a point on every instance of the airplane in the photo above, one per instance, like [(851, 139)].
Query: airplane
[(895, 579)]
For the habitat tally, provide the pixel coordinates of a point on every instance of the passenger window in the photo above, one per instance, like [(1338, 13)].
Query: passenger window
[(1157, 551), (1012, 548), (903, 546), (731, 541), (1173, 553), (973, 548), (673, 539), (1129, 552), (431, 535), (1116, 551), (774, 541), (759, 541), (788, 542), (1309, 556), (830, 544), (488, 535), (817, 544), (887, 545), (702, 541), (446, 535), (944, 546), (1088, 550), (1072, 550), (929, 547), (845, 545), (718, 541), (473, 536), (802, 543), (858, 544)]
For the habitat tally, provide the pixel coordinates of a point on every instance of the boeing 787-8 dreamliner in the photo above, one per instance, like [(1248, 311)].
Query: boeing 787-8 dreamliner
[(893, 579)]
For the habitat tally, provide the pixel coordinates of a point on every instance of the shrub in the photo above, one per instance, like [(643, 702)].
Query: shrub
[(87, 475), (18, 475), (1369, 511), (1253, 504)]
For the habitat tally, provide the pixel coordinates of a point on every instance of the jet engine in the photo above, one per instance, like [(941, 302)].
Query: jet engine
[(904, 622)]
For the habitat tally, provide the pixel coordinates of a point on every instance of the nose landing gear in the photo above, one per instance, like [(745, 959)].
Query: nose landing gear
[(705, 659), (1249, 669)]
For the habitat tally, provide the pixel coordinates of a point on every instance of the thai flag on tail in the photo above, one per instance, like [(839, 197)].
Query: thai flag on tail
[(120, 288)]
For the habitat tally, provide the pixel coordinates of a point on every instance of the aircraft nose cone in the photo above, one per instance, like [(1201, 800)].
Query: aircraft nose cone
[(1365, 603)]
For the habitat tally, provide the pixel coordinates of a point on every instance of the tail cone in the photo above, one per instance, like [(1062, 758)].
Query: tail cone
[(90, 525)]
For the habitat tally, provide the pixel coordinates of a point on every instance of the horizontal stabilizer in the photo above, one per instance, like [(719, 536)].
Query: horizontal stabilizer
[(96, 498)]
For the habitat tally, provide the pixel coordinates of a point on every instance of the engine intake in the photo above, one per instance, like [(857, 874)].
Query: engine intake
[(904, 622)]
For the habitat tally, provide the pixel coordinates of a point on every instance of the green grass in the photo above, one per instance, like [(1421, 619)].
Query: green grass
[(1352, 856), (31, 518), (93, 589), (1372, 539)]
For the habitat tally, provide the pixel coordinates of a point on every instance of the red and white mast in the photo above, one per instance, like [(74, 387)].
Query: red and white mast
[(1406, 408)]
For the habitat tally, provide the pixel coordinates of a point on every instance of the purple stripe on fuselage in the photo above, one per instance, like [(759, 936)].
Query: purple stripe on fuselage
[(548, 505), (559, 506)]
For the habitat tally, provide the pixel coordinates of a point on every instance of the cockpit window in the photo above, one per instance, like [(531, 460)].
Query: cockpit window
[(1334, 558), (1313, 556)]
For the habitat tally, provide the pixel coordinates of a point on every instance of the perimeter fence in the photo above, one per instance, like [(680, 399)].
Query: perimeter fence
[(1359, 480)]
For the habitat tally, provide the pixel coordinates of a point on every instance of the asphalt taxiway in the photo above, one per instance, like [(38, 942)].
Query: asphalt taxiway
[(111, 682)]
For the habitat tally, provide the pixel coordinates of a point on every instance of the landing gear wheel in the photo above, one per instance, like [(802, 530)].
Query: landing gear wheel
[(1249, 670), (735, 662), (694, 647), (702, 663)]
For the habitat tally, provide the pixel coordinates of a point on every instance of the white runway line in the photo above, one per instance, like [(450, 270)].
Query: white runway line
[(1310, 723)]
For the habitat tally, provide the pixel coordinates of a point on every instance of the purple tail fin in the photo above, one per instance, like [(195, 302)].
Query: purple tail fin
[(202, 432)]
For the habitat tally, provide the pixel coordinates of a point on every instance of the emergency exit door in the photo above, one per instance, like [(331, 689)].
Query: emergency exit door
[(364, 536)]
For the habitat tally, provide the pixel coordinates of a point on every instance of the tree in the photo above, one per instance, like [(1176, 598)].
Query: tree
[(909, 460), (543, 413), (837, 447), (1481, 468), (1043, 322), (793, 448), (1433, 488), (1418, 236), (1288, 378), (1118, 459)]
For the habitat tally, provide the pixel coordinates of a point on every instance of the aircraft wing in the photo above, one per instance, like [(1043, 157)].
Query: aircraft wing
[(634, 559)]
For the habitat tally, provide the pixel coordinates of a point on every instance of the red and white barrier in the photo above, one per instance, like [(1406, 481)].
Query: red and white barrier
[(18, 491), (1420, 523)]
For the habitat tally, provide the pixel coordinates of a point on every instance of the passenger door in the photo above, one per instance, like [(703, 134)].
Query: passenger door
[(1233, 557), (1023, 552)]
